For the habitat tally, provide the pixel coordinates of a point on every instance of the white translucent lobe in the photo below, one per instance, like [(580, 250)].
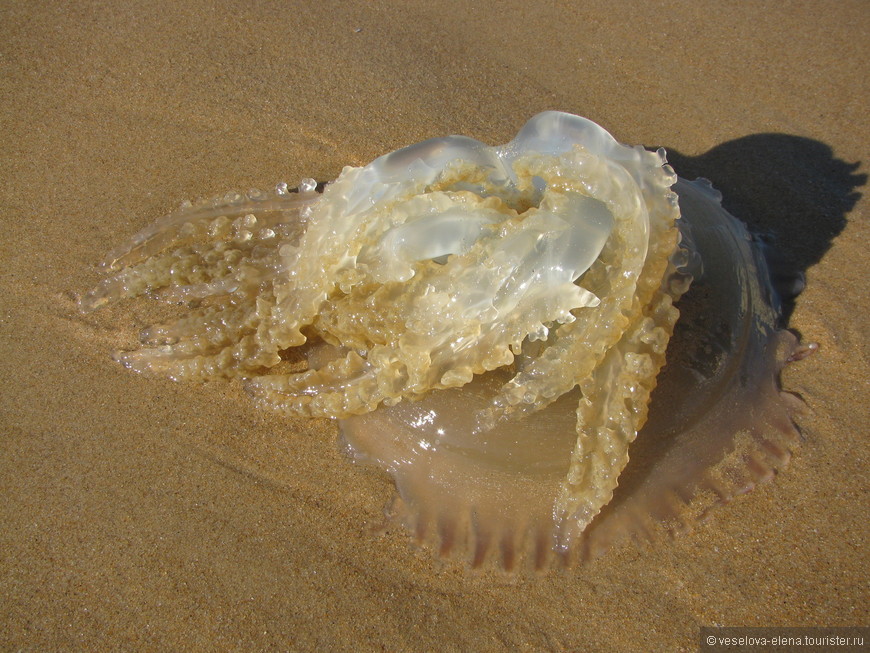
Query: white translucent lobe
[(501, 283)]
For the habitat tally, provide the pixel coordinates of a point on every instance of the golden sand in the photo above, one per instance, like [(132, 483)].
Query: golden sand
[(142, 513)]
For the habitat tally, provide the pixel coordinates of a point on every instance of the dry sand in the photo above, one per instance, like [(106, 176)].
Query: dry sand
[(139, 513)]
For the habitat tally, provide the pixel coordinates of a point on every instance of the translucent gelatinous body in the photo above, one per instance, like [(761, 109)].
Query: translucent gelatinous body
[(718, 424), (524, 293)]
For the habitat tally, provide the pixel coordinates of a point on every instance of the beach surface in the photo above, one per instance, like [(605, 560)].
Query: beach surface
[(139, 513)]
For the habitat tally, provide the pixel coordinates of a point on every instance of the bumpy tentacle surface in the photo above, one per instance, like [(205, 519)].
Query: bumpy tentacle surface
[(548, 256)]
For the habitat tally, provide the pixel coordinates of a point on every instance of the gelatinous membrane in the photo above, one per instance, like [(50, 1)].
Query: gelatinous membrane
[(718, 424), (497, 318)]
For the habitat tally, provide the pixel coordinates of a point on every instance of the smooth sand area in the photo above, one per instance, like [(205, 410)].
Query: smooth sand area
[(139, 513)]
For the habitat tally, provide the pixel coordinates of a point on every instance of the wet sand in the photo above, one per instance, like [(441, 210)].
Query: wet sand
[(139, 513)]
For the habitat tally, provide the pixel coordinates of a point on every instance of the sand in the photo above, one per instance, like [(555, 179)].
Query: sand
[(138, 513)]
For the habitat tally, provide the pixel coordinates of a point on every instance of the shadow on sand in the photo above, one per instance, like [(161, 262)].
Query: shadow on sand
[(794, 196), (789, 190)]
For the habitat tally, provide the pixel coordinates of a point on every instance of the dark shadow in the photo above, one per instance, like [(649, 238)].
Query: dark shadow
[(790, 190), (794, 196)]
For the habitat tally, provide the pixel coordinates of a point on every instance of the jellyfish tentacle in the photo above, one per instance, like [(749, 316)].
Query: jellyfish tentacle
[(186, 273), (212, 219), (225, 340), (627, 274), (613, 407), (546, 258), (201, 361), (195, 251), (210, 324), (343, 387)]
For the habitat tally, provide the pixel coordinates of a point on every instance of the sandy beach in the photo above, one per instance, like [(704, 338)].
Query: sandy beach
[(143, 514)]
